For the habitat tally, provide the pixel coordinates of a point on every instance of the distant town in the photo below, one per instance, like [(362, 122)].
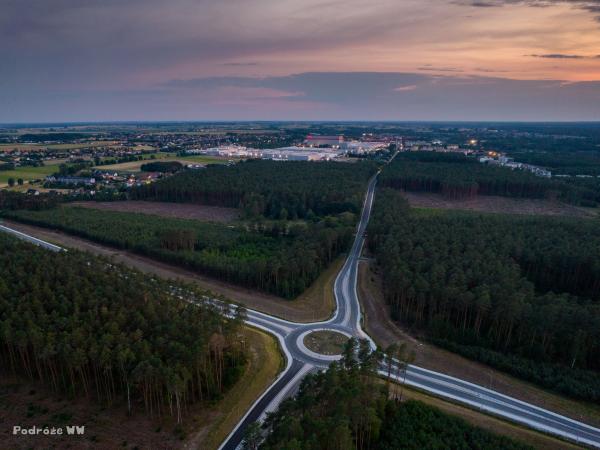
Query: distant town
[(110, 161)]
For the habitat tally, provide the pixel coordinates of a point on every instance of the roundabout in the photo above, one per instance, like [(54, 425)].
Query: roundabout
[(323, 343)]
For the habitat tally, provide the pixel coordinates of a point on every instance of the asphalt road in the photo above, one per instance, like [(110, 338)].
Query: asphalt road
[(31, 239), (347, 320)]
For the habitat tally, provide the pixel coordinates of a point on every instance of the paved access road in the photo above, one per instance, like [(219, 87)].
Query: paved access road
[(347, 320)]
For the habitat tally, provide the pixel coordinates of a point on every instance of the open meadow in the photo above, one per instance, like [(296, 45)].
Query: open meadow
[(27, 173)]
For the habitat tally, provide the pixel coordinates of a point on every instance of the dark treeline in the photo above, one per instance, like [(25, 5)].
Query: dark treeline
[(456, 176), (347, 407), (68, 169), (87, 328), (273, 256), (161, 166), (572, 162), (52, 137), (119, 159), (522, 286), (277, 190), (15, 200)]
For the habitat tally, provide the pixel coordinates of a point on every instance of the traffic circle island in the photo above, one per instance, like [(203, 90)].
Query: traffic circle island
[(327, 343)]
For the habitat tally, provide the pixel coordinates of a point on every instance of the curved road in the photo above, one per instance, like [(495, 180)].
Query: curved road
[(347, 320)]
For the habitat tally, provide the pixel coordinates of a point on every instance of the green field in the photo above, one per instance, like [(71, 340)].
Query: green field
[(29, 147), (27, 173), (134, 166)]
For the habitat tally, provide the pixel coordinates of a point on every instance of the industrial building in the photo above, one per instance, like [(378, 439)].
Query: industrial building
[(315, 140)]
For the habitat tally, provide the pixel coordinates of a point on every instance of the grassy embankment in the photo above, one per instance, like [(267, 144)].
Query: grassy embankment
[(493, 424), (265, 363)]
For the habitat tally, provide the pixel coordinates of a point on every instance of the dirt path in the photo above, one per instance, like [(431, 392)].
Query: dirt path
[(312, 305), (384, 331)]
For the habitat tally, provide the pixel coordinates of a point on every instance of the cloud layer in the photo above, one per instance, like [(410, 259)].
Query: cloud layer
[(330, 96), (188, 59)]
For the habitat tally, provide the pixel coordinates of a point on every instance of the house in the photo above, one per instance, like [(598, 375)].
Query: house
[(72, 180)]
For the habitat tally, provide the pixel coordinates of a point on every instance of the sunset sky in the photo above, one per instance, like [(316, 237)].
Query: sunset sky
[(98, 60)]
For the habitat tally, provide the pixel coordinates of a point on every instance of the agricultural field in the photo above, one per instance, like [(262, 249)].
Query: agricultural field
[(32, 147), (27, 173), (135, 166), (164, 209), (501, 205)]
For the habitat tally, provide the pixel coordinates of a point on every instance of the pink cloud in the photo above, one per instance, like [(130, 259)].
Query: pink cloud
[(410, 87)]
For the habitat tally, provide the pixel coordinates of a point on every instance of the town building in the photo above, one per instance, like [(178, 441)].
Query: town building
[(315, 140)]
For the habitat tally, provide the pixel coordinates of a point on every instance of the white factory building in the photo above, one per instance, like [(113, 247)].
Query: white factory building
[(278, 154)]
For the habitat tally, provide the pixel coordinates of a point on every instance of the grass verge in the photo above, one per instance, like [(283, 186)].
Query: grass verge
[(265, 362), (318, 301), (490, 423)]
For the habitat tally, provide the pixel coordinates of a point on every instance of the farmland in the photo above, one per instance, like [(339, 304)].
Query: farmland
[(27, 173), (65, 146), (181, 211), (135, 166), (497, 204)]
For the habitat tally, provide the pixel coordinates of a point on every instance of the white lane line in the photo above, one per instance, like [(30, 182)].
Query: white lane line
[(416, 369), (497, 412), (261, 318), (474, 393), (286, 390), (31, 239)]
